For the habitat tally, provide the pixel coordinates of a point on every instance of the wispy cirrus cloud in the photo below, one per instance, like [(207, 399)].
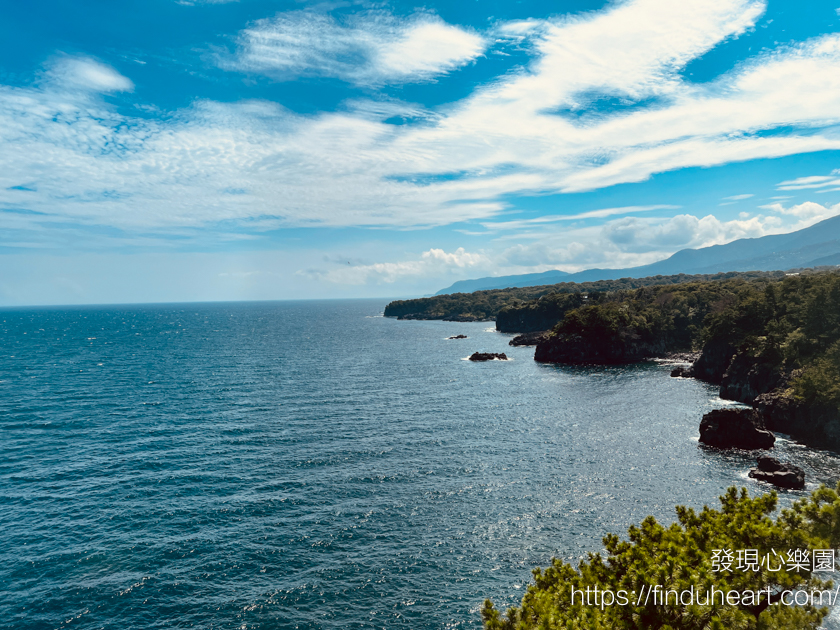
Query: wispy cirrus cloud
[(811, 182), (372, 48), (70, 154), (556, 218)]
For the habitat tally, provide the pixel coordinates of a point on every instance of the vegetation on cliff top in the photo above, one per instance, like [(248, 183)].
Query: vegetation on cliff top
[(781, 331), (680, 557), (672, 318), (548, 302)]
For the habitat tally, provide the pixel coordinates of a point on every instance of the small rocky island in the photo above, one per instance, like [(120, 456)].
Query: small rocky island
[(458, 337), (529, 339), (488, 356), (735, 428), (770, 340), (781, 475)]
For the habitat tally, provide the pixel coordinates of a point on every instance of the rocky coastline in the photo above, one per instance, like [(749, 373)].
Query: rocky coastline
[(740, 377), (767, 390), (578, 350), (769, 342), (735, 428)]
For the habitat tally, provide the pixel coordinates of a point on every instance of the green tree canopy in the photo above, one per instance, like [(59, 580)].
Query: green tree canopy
[(680, 557)]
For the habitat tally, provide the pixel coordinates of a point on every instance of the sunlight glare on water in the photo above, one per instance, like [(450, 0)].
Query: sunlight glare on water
[(311, 465)]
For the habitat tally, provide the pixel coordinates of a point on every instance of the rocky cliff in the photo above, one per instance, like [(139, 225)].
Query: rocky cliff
[(766, 387), (812, 425), (580, 350)]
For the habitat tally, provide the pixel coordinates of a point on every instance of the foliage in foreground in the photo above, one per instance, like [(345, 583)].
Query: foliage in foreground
[(679, 557)]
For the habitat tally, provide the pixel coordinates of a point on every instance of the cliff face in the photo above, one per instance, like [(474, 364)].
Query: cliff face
[(519, 320), (740, 376), (766, 388), (746, 379), (578, 350), (541, 314), (815, 426), (713, 361)]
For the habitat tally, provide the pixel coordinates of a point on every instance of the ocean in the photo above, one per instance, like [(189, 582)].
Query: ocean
[(314, 465)]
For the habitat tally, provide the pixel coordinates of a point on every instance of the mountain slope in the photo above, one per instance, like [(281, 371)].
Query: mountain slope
[(525, 280), (813, 246)]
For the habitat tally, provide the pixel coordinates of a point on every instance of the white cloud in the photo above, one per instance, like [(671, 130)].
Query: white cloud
[(591, 214), (807, 181), (808, 212), (682, 231), (66, 152), (739, 197), (628, 241), (432, 263), (814, 181), (632, 241), (376, 48), (85, 73), (425, 49)]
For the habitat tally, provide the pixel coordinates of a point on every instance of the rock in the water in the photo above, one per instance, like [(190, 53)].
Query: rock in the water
[(458, 337), (682, 372), (529, 339), (782, 475), (735, 428), (488, 356)]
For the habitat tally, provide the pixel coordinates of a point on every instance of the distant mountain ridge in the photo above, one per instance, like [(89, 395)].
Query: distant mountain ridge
[(813, 246)]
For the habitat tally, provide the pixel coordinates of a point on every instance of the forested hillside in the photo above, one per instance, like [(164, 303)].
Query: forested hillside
[(773, 343), (520, 303)]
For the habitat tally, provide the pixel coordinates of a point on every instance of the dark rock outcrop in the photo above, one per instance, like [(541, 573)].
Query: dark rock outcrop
[(735, 428), (814, 426), (682, 372), (541, 314), (488, 356), (713, 361), (781, 475), (746, 379), (575, 350), (529, 339), (458, 337)]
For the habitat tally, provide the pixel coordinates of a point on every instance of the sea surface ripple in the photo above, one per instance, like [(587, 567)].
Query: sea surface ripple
[(310, 465)]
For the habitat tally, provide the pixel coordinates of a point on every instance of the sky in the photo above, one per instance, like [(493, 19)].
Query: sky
[(208, 150)]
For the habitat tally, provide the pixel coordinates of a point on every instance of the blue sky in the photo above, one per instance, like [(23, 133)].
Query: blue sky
[(169, 150)]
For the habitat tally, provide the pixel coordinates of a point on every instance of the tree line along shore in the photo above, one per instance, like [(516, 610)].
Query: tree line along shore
[(768, 339)]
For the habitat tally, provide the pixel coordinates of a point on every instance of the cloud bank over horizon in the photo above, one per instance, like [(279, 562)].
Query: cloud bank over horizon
[(430, 137)]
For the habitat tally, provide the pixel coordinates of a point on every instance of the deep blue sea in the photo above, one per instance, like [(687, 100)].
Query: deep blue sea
[(315, 465)]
